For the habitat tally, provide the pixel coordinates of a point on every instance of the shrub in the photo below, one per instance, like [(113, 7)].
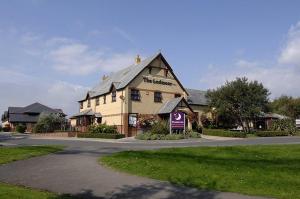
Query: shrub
[(6, 128), (102, 128), (149, 136), (101, 135), (192, 134), (159, 127), (224, 133), (20, 128), (48, 123), (287, 125), (271, 133)]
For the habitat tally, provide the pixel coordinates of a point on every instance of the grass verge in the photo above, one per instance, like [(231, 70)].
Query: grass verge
[(9, 154), (11, 191), (272, 171)]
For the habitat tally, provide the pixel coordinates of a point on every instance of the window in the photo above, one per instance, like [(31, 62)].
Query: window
[(99, 120), (135, 95), (166, 72), (81, 105), (177, 95), (97, 101), (89, 103), (113, 96), (157, 97), (104, 99), (150, 70)]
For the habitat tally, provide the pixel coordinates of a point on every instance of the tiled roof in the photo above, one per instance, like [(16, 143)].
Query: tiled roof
[(170, 105), (121, 78), (197, 97), (29, 113), (88, 112), (20, 117)]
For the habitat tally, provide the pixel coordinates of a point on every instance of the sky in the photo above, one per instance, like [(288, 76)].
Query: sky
[(52, 52)]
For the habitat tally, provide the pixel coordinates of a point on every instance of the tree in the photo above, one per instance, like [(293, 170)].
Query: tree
[(286, 105), (242, 99), (48, 123)]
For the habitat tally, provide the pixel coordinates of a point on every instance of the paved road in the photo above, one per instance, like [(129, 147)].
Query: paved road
[(76, 170)]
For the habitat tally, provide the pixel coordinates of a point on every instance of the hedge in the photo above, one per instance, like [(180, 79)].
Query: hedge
[(100, 135), (20, 128), (271, 133), (224, 133)]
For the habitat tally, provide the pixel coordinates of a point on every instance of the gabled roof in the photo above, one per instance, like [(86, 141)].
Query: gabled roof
[(123, 77), (171, 104), (197, 97), (30, 113), (15, 109), (20, 117), (39, 108), (88, 112)]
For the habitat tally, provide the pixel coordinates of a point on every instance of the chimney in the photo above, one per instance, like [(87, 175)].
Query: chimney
[(137, 59), (104, 77)]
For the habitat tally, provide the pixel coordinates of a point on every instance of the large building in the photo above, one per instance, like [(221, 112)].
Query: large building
[(27, 115), (149, 89)]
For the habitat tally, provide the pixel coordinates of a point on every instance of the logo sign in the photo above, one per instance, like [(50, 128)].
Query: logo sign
[(177, 120)]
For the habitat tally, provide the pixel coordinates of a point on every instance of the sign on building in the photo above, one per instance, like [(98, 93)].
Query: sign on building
[(177, 121)]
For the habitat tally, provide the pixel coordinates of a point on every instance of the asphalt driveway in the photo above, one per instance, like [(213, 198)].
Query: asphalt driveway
[(76, 169)]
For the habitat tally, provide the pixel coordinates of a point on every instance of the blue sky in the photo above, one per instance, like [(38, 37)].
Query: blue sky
[(53, 51)]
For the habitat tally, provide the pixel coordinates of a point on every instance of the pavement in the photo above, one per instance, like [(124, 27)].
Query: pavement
[(76, 170)]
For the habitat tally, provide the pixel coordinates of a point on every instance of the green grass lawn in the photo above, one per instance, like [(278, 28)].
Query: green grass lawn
[(9, 154), (18, 192), (254, 170)]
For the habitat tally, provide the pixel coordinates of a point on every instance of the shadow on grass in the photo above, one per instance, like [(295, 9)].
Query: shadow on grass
[(147, 191)]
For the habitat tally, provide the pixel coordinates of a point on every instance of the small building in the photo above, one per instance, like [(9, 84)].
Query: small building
[(148, 89), (27, 115), (265, 120)]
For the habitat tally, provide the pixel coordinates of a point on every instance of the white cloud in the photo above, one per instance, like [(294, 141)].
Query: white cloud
[(280, 77), (75, 59), (290, 54), (79, 59)]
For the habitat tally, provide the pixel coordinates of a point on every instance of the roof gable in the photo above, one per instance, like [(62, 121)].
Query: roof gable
[(171, 104), (125, 76)]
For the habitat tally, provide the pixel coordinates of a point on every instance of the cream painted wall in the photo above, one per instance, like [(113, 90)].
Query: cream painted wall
[(109, 109), (147, 105)]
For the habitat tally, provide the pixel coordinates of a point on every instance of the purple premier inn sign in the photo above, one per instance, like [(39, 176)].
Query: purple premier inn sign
[(177, 120)]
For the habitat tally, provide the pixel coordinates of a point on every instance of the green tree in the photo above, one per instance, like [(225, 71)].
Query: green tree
[(242, 99), (286, 105), (48, 123)]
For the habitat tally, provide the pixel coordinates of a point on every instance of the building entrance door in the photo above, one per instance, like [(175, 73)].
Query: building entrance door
[(132, 124)]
